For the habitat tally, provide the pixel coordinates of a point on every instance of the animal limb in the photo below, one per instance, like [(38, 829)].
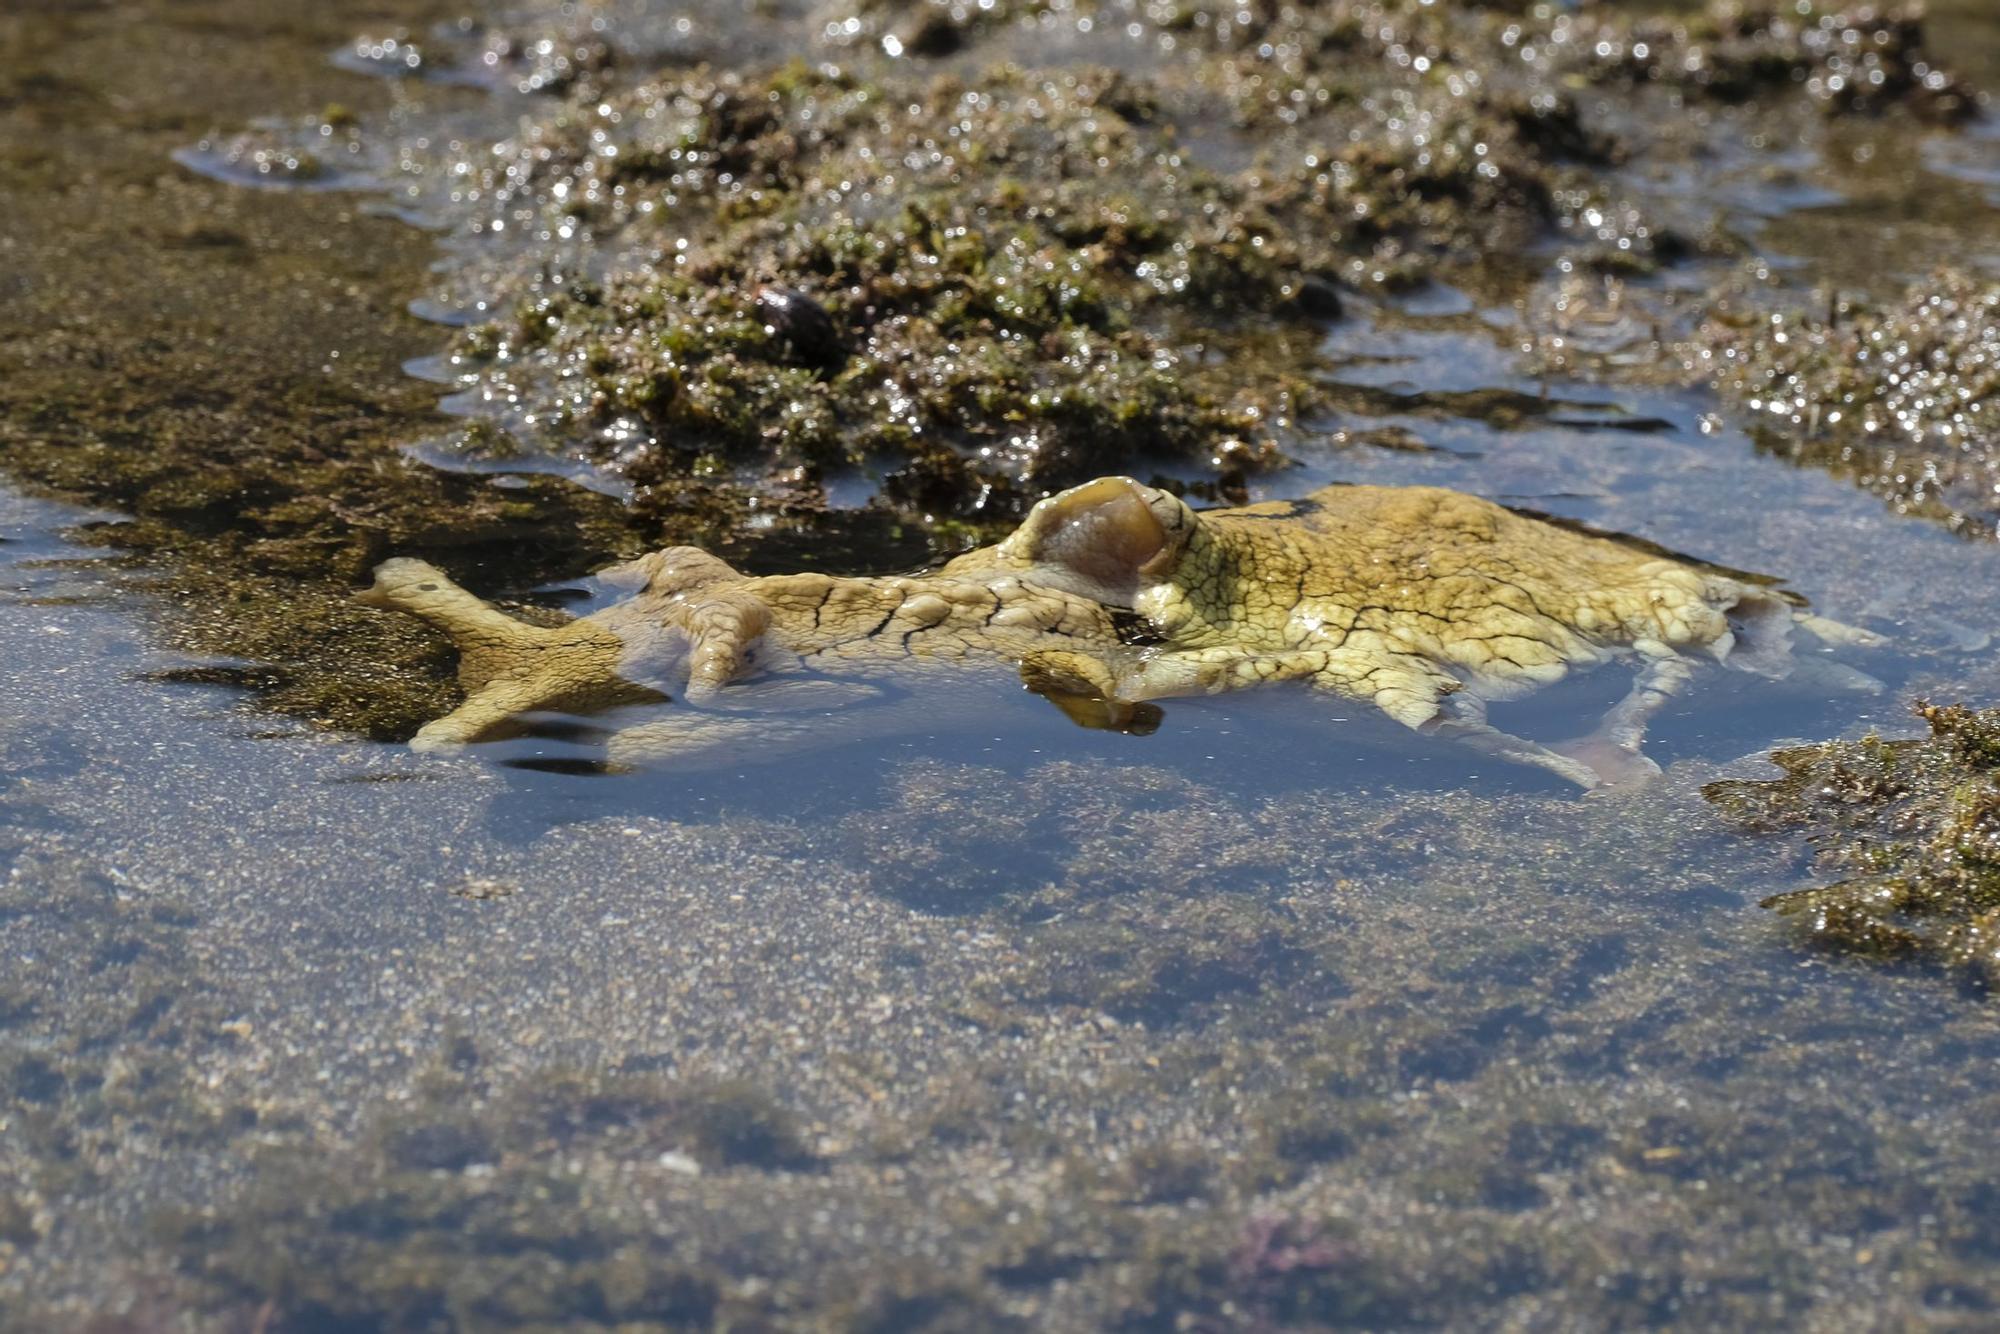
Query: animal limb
[(1085, 688), (1422, 697), (1466, 724), (506, 666), (1659, 679)]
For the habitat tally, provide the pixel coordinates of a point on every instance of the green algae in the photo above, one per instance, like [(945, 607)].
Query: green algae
[(1912, 830)]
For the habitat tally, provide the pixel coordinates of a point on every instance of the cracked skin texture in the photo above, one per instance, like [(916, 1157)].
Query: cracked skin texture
[(1423, 602), (738, 650)]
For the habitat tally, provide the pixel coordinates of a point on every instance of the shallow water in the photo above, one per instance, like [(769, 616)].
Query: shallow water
[(1278, 1015), (1554, 1033)]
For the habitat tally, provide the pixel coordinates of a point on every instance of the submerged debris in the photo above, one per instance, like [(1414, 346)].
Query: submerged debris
[(1913, 829)]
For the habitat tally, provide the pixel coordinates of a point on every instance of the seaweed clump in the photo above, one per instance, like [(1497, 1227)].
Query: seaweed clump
[(1862, 60), (1912, 828), (970, 286), (993, 284), (1899, 397)]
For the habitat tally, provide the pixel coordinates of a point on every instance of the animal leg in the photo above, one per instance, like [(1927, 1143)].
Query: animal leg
[(722, 632), (755, 721), (1424, 698), (1107, 694), (1085, 688), (1212, 671), (699, 740), (1465, 722), (1612, 748), (1659, 680), (507, 666), (490, 643)]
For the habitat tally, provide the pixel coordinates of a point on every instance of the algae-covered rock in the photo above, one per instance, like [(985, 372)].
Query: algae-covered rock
[(1845, 60), (1100, 246), (1912, 830), (1900, 395), (962, 285)]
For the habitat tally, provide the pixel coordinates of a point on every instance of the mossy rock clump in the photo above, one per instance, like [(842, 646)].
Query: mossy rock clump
[(1863, 60), (1902, 397), (980, 287), (1912, 830), (982, 290)]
